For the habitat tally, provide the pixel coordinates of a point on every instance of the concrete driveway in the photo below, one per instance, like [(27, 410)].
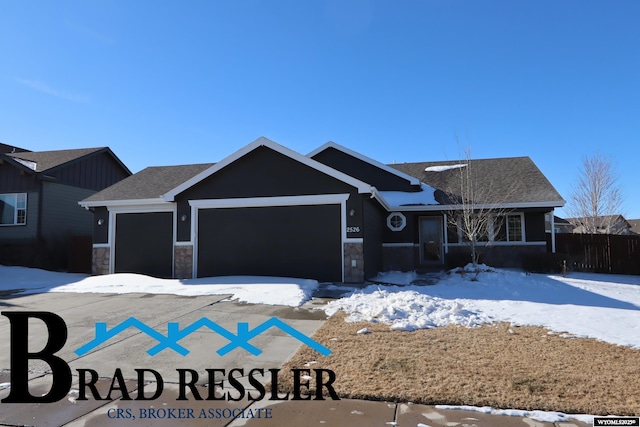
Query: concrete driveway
[(127, 351)]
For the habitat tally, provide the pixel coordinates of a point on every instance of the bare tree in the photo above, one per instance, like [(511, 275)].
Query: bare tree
[(596, 198), (477, 209)]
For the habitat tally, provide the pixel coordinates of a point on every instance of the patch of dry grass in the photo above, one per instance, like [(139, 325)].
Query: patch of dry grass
[(494, 365)]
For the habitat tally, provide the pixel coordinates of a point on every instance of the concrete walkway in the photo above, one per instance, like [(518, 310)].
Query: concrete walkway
[(121, 404)]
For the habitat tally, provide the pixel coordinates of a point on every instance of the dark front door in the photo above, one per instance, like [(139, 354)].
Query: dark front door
[(431, 240)]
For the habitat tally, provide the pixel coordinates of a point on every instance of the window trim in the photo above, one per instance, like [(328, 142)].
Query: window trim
[(396, 227), (506, 226), (17, 210), (492, 234)]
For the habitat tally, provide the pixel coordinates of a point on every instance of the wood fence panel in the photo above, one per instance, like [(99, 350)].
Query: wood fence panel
[(600, 253)]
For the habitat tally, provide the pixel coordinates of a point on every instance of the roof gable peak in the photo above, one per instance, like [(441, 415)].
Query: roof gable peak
[(330, 144), (266, 142)]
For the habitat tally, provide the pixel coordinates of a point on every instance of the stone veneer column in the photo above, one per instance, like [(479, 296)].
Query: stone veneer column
[(183, 262), (100, 261), (353, 251)]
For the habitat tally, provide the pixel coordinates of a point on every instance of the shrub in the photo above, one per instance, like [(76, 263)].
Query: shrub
[(545, 262)]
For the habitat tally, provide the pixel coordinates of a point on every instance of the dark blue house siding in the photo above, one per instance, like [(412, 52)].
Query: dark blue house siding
[(363, 171), (264, 173)]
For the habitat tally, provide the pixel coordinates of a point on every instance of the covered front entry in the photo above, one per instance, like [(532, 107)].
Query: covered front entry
[(291, 241), (431, 232), (144, 243)]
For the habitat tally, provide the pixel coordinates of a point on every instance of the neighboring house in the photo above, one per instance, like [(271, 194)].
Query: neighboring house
[(333, 215), (606, 224), (39, 195), (560, 225), (4, 148), (635, 226)]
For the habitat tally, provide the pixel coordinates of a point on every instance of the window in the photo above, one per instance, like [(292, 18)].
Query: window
[(13, 209), (509, 228), (396, 221)]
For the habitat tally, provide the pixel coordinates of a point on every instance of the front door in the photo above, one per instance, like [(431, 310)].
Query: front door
[(431, 240)]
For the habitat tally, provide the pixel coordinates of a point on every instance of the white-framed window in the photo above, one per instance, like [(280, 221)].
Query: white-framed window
[(396, 221), (509, 228), (13, 209)]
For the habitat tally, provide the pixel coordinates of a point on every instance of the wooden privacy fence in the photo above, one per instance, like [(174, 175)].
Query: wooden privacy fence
[(599, 253)]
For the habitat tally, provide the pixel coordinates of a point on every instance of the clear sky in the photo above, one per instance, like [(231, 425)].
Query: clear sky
[(175, 82)]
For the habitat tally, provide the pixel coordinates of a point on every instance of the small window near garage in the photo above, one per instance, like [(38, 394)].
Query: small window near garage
[(396, 221), (13, 209)]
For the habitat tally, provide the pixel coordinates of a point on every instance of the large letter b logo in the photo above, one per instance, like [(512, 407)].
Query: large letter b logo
[(20, 356)]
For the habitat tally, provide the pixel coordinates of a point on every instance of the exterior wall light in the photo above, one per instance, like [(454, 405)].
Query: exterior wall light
[(100, 221), (183, 218)]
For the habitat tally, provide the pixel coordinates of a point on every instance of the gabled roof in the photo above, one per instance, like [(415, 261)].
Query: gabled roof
[(264, 142), (496, 177), (44, 161), (162, 184), (149, 184), (412, 179), (635, 225), (601, 221), (560, 221), (437, 180)]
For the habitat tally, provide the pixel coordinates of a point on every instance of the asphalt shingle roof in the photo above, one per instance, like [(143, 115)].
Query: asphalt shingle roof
[(149, 183), (502, 180), (496, 175), (46, 160)]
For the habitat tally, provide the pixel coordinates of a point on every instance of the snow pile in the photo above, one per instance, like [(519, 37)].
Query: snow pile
[(605, 307), (405, 310), (251, 289), (542, 416)]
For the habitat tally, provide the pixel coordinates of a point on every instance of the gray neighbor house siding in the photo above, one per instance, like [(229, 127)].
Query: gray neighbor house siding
[(55, 227), (332, 215), (61, 214)]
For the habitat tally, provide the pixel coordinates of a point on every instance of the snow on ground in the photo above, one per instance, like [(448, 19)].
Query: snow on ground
[(251, 289), (542, 416), (605, 307)]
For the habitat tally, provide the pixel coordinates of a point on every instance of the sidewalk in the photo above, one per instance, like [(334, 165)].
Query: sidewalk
[(168, 411)]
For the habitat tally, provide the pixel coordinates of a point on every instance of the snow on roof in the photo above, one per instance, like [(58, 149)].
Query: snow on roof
[(403, 198), (444, 168)]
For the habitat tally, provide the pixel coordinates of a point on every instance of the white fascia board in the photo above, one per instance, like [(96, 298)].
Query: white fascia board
[(155, 207), (262, 141), (429, 208), (375, 194), (126, 202), (412, 180), (320, 199)]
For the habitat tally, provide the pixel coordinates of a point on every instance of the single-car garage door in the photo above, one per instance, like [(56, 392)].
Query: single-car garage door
[(291, 241), (144, 243)]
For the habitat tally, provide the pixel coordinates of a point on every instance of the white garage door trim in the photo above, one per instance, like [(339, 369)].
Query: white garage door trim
[(115, 210)]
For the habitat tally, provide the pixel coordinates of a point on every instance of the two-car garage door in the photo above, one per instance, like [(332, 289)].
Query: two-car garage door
[(291, 241)]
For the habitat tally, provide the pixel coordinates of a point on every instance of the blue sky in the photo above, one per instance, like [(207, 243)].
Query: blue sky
[(168, 82)]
